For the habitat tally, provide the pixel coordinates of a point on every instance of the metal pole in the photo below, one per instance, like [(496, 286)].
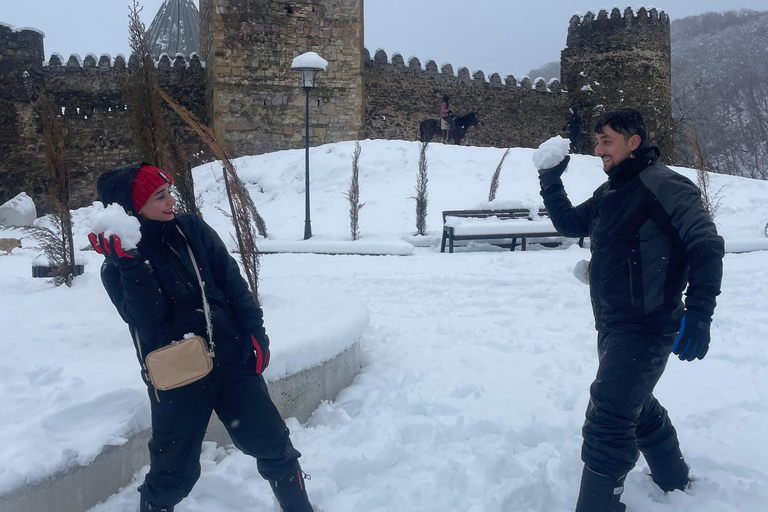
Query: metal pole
[(307, 224)]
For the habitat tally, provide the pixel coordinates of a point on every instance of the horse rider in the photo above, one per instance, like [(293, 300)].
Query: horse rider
[(448, 118)]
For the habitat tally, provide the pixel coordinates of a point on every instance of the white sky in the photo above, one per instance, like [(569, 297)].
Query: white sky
[(492, 35)]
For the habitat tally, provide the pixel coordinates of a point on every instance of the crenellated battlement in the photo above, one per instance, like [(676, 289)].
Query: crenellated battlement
[(618, 28), (445, 73), (105, 62), (619, 20)]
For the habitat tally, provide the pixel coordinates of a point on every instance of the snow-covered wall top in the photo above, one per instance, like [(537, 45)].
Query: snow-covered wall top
[(105, 62)]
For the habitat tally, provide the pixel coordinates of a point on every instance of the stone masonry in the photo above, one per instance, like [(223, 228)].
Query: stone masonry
[(256, 102), (399, 96), (93, 115)]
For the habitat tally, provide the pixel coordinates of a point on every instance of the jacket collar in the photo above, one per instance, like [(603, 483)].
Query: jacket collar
[(153, 231), (642, 158)]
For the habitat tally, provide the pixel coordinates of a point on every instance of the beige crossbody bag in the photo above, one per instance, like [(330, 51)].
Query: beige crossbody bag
[(184, 361)]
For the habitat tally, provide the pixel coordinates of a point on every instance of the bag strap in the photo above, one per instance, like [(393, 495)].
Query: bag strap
[(206, 307)]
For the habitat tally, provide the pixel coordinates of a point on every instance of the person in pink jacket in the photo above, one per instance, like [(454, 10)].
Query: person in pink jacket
[(447, 115)]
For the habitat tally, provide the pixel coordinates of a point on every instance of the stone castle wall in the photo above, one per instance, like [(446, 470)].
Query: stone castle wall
[(400, 95), (247, 93), (256, 101), (89, 94)]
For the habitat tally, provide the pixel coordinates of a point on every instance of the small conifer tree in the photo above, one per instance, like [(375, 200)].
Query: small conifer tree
[(421, 191), (353, 194)]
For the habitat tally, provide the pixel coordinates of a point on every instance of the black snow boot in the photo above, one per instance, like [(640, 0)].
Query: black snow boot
[(147, 506), (669, 470), (600, 493), (290, 491)]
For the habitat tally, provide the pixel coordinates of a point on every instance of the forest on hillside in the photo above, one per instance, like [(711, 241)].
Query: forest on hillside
[(719, 91)]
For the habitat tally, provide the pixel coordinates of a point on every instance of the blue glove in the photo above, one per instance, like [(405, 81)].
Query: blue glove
[(693, 338), (551, 176)]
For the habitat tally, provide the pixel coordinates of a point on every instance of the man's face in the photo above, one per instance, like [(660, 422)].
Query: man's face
[(613, 148)]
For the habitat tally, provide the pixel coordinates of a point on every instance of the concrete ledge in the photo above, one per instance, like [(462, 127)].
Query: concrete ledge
[(81, 488)]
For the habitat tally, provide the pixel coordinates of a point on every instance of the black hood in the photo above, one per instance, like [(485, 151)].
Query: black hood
[(114, 186)]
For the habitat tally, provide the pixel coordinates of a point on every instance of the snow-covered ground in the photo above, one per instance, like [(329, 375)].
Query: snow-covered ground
[(477, 364)]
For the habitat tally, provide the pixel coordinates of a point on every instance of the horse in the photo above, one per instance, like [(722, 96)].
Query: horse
[(431, 128)]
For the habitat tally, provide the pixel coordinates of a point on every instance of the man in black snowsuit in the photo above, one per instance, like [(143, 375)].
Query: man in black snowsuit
[(650, 235), (574, 129)]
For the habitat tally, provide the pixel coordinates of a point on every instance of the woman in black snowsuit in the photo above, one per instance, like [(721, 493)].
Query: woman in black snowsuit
[(157, 292)]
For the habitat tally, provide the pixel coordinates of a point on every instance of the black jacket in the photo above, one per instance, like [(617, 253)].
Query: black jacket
[(158, 293), (650, 235)]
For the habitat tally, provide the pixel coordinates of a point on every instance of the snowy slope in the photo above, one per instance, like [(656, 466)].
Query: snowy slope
[(477, 364), (459, 178)]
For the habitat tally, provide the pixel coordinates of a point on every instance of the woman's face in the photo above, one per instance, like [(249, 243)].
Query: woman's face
[(159, 206)]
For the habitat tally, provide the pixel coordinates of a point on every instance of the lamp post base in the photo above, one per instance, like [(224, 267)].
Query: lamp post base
[(307, 230)]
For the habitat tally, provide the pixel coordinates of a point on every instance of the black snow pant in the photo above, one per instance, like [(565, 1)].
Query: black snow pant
[(179, 421), (623, 415), (574, 137)]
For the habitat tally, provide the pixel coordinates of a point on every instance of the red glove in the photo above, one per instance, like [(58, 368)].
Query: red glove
[(112, 249), (262, 353)]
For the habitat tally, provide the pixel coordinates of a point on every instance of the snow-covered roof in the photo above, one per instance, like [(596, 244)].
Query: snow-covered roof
[(175, 29)]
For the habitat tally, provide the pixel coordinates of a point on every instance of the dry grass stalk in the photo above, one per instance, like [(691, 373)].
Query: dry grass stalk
[(244, 216), (421, 191), (353, 195), (495, 179), (711, 200), (154, 138)]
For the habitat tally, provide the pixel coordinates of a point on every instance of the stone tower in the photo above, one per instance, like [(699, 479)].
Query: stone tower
[(614, 61), (253, 100), (22, 155)]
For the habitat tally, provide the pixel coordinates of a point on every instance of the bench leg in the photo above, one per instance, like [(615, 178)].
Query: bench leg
[(514, 243), (442, 243), (523, 243), (450, 244)]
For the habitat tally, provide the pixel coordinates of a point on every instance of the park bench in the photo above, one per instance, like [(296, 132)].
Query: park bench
[(505, 226)]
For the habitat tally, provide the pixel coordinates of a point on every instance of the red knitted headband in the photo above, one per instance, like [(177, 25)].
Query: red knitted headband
[(147, 180)]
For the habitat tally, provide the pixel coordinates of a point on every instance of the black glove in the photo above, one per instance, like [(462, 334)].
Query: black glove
[(552, 175), (112, 249), (693, 338)]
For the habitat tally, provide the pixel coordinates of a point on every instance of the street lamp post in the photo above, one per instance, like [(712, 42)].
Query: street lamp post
[(308, 63)]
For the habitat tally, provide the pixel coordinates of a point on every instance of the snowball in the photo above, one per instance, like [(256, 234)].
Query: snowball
[(113, 220), (551, 152), (581, 271)]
